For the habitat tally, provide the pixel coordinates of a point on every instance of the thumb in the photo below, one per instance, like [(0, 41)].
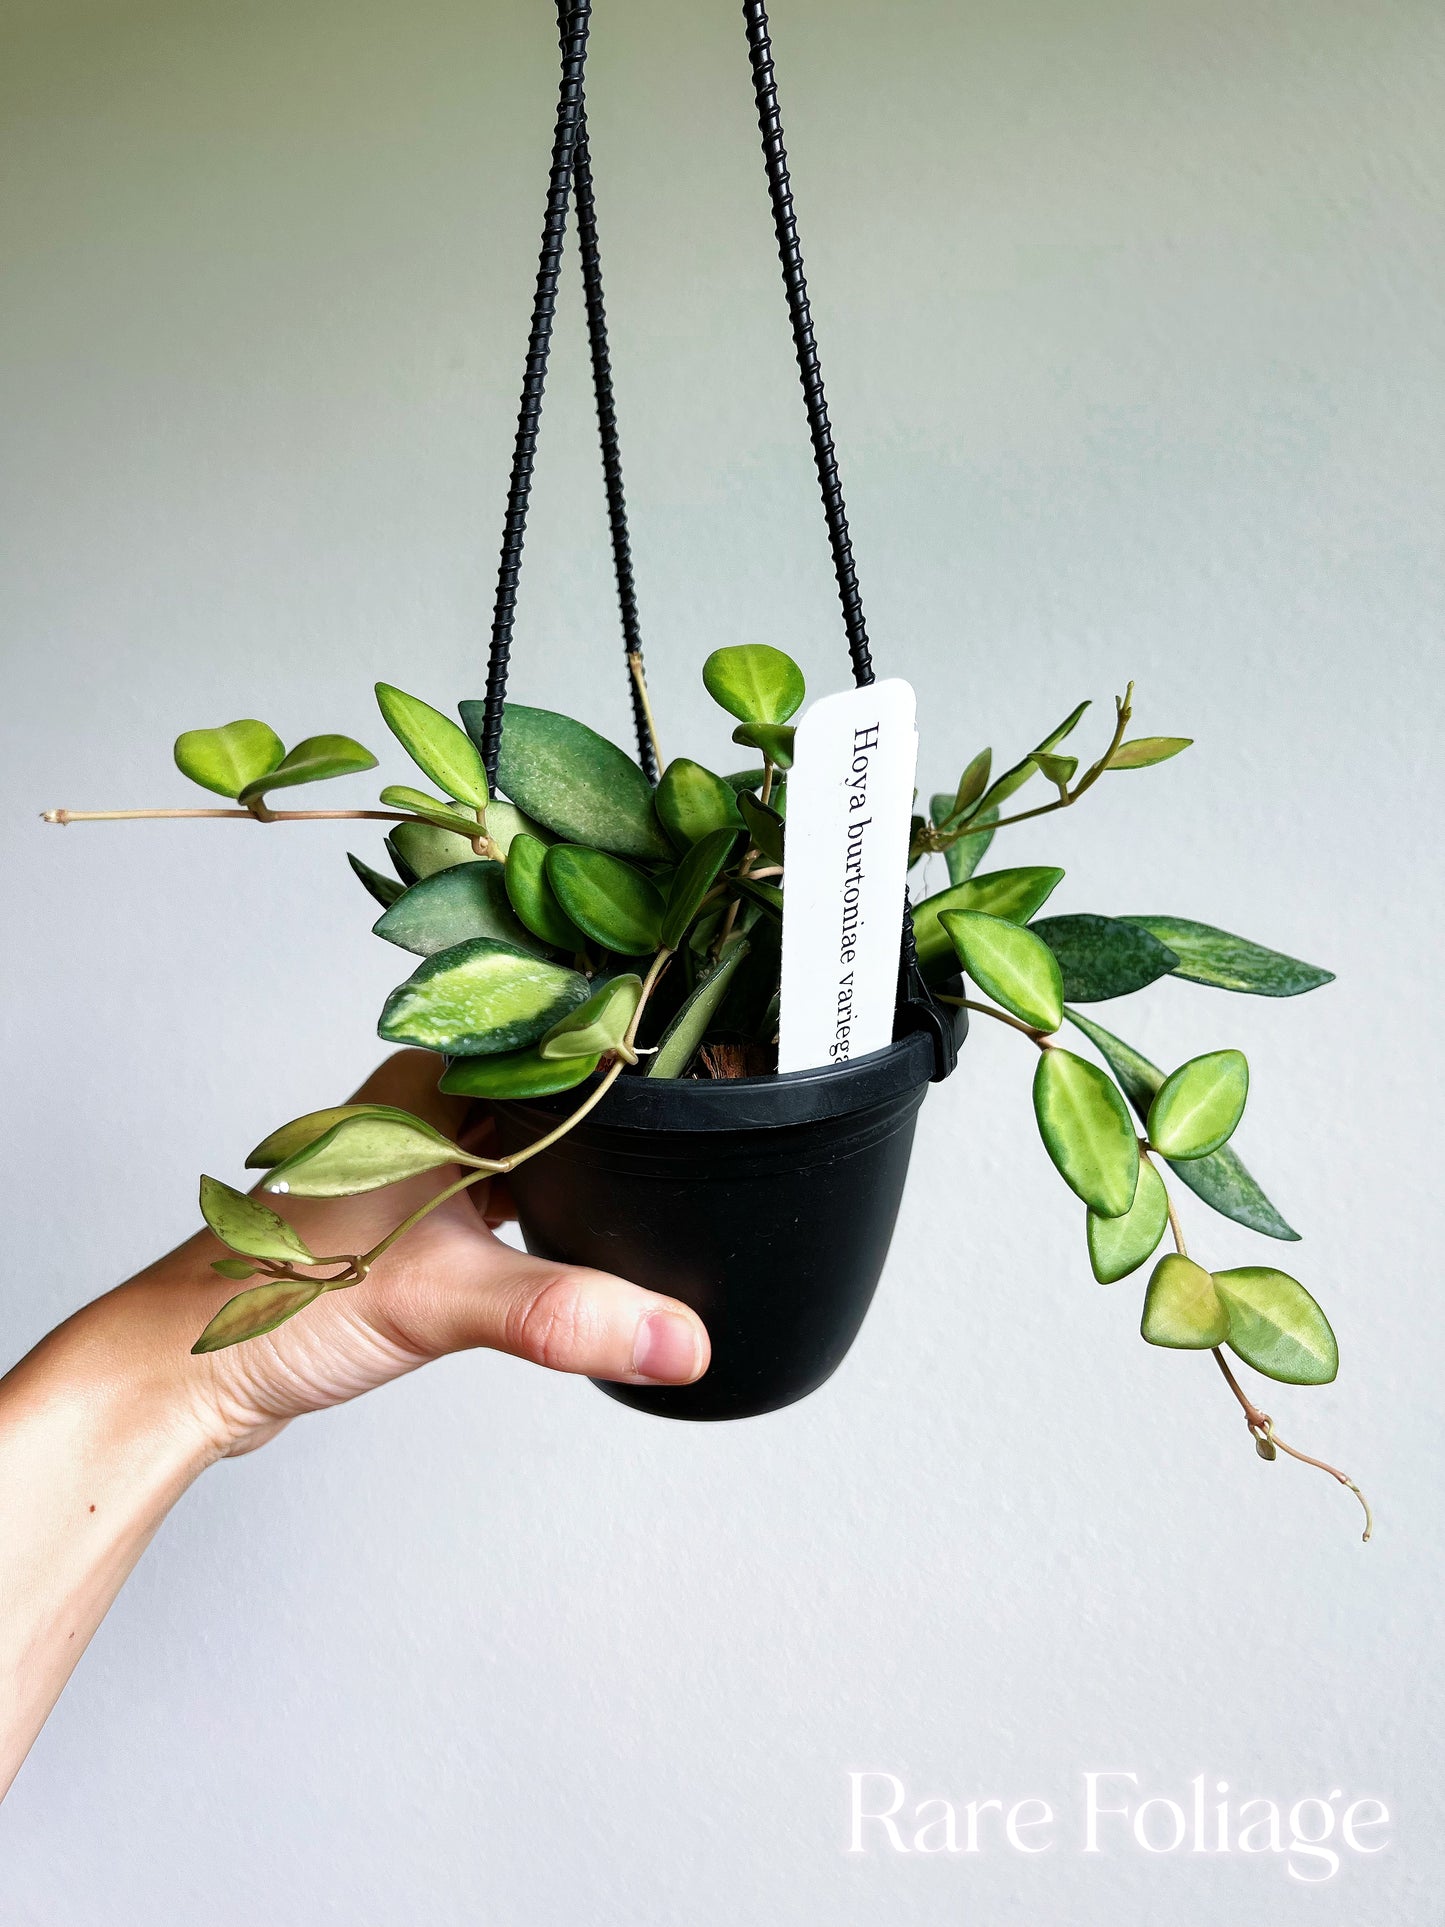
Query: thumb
[(562, 1316)]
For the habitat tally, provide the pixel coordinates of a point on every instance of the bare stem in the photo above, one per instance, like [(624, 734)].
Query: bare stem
[(634, 663), (1261, 1427), (1042, 1038), (250, 816)]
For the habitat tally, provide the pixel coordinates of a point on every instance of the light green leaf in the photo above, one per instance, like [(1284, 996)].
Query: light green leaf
[(1118, 1246), (505, 820), (1197, 1107), (248, 1227), (1055, 769), (971, 786), (765, 827), (599, 1025), (481, 997), (421, 850), (515, 1074), (399, 796), (301, 1131), (693, 803), (1210, 956), (574, 781), (1015, 778), (313, 761), (1010, 965), (1275, 1326), (964, 856), (680, 1041), (775, 740), (695, 876), (755, 683), (233, 1268), (1181, 1307), (615, 904), (1145, 751), (386, 890), (438, 747), (256, 1312), (225, 760), (1220, 1179), (1103, 957), (1087, 1132), (1016, 895), (452, 906), (362, 1153)]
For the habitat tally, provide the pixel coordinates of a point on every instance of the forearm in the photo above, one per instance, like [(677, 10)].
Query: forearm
[(96, 1445)]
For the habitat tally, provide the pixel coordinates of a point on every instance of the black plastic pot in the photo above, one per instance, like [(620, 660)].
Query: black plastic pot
[(765, 1203)]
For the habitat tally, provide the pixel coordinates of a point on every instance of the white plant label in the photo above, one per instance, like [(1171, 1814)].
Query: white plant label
[(850, 805)]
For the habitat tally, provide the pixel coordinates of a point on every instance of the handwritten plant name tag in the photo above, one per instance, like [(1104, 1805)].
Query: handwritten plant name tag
[(850, 805)]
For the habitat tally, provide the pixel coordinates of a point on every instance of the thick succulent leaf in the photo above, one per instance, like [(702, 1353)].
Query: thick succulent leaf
[(515, 1074), (1009, 964), (400, 796), (505, 820), (680, 1041), (1181, 1307), (692, 803), (1087, 1131), (533, 898), (386, 890), (421, 850), (481, 997), (438, 747), (1210, 956), (755, 683), (225, 760), (362, 1153), (1197, 1107), (301, 1131), (253, 1313), (765, 827), (1144, 751), (1118, 1246), (971, 786), (598, 1026), (1014, 895), (1221, 1179), (775, 740), (694, 877), (452, 906), (313, 761), (1275, 1326), (613, 903), (249, 1227), (1103, 957), (574, 781)]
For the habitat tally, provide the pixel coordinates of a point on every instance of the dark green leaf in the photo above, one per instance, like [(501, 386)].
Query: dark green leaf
[(680, 1041), (1145, 751), (386, 890), (533, 898), (225, 760), (1197, 1107), (452, 906), (693, 803), (1103, 957), (249, 1227), (1210, 956), (481, 997), (255, 1312), (1009, 964), (515, 1074), (574, 781), (435, 744), (615, 904), (447, 816), (1275, 1326), (775, 740), (598, 1026), (755, 683), (1087, 1132), (765, 827), (1181, 1307), (1014, 895), (313, 761), (695, 876), (767, 896), (1118, 1246)]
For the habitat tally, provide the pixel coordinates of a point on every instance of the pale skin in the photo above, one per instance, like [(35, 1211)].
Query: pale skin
[(108, 1421)]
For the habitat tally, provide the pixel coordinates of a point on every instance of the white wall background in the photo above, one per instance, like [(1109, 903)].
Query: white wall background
[(1131, 314)]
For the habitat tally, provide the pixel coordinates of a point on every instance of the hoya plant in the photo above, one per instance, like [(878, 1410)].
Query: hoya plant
[(577, 924)]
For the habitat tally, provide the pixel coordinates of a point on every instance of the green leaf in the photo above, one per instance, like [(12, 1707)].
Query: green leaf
[(775, 740), (421, 850), (1055, 769), (1275, 1326), (615, 904), (766, 895), (435, 744), (386, 890), (301, 1131), (1014, 895), (398, 796), (313, 761), (481, 997), (1103, 957), (964, 856), (755, 683), (1118, 1246), (515, 1074), (971, 786), (1015, 778), (695, 876), (505, 821), (1010, 965), (1210, 956), (255, 1312), (765, 827), (452, 906), (533, 898), (680, 1041), (248, 1227), (362, 1153), (233, 1268), (1181, 1307), (599, 1025), (1220, 1179), (225, 760), (1087, 1132), (574, 781), (693, 803), (1197, 1107), (1145, 751)]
